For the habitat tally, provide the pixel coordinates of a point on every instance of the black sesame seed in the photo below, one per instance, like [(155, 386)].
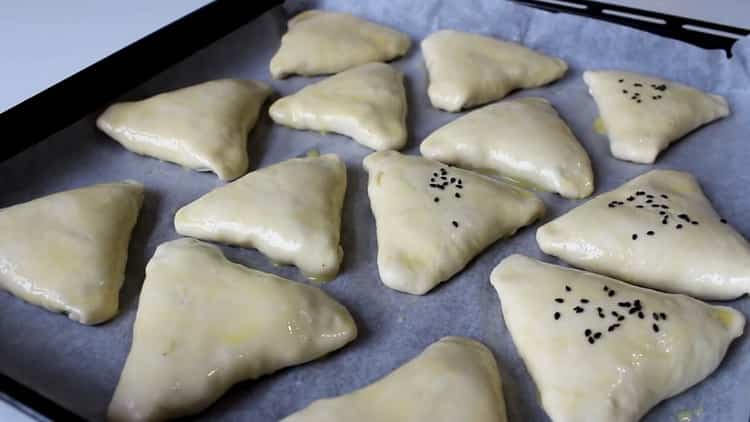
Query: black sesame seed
[(640, 315), (459, 186), (632, 311), (578, 309), (631, 198), (695, 223), (437, 199), (597, 335), (656, 328), (649, 196), (584, 301), (442, 171), (666, 207), (591, 340), (611, 293), (624, 91), (615, 314), (654, 205), (684, 217), (455, 223), (560, 300), (458, 195), (637, 303), (567, 288), (650, 233), (663, 316), (634, 236), (655, 316), (606, 288), (623, 304), (557, 316), (620, 318), (638, 101), (723, 221), (587, 332), (662, 212), (611, 205), (599, 309), (612, 327), (432, 179), (679, 226), (453, 180), (620, 80), (639, 206), (637, 84), (664, 221), (649, 201), (654, 97), (639, 193)]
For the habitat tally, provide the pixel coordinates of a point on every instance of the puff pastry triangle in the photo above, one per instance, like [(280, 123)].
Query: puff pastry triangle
[(290, 211), (320, 42), (202, 127), (657, 230), (467, 70), (643, 114), (367, 104), (601, 350), (524, 140), (454, 379), (66, 252), (432, 219), (204, 324)]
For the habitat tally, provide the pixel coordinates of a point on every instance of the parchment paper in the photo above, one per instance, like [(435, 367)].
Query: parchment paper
[(78, 366)]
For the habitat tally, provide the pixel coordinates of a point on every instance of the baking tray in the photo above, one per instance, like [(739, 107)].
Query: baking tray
[(80, 152)]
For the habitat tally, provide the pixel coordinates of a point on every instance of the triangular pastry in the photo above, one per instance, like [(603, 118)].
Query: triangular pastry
[(203, 127), (204, 324), (320, 42), (433, 219), (66, 252), (657, 230), (642, 114), (367, 104), (524, 140), (454, 379), (602, 350), (467, 70), (290, 211)]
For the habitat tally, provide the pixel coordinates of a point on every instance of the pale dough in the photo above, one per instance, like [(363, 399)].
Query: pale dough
[(467, 70), (204, 324), (367, 104), (642, 114), (657, 230), (524, 140), (203, 127), (66, 252), (433, 219), (320, 42), (601, 350), (454, 379), (290, 211)]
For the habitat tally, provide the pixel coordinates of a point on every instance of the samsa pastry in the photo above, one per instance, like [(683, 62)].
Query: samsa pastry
[(290, 211), (204, 324), (433, 219), (602, 350), (657, 230), (467, 70), (203, 127), (523, 140), (642, 114), (367, 104), (320, 42), (66, 252), (454, 379)]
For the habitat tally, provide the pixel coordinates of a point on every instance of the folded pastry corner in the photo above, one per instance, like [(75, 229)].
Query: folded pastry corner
[(467, 70), (66, 252), (599, 349), (658, 230), (204, 324), (454, 379), (366, 103), (432, 219), (203, 127), (643, 115), (523, 140), (289, 211), (320, 42)]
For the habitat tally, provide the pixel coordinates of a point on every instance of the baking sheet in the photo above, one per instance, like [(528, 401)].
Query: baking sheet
[(78, 366)]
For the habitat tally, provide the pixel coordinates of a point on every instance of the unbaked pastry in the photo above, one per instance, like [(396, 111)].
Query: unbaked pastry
[(290, 211), (367, 103), (66, 252), (657, 230), (524, 140), (601, 350), (454, 379), (642, 114), (204, 324), (432, 219), (320, 42), (203, 127), (467, 70)]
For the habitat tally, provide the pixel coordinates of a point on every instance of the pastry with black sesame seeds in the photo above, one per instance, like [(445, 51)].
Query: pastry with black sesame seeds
[(422, 243), (524, 140), (682, 247), (582, 364), (639, 126)]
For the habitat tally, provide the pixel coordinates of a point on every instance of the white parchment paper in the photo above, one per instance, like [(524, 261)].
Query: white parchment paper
[(78, 366)]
